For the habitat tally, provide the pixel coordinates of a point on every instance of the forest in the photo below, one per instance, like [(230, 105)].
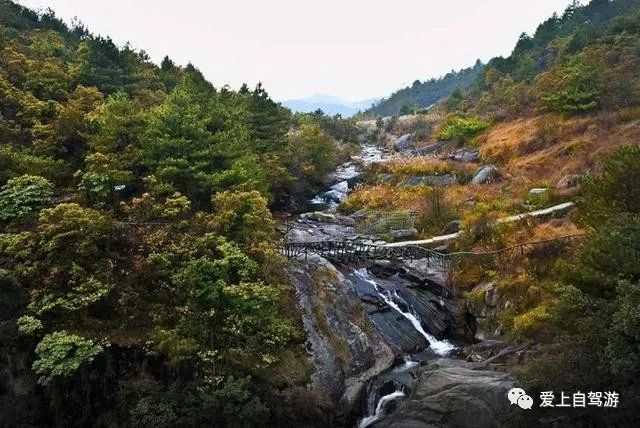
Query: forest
[(138, 273), (422, 95)]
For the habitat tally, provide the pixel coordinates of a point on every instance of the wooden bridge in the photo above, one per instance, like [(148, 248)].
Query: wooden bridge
[(351, 251)]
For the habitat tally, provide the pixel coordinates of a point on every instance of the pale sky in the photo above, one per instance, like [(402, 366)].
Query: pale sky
[(354, 49)]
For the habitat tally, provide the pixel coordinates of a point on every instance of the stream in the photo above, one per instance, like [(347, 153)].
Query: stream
[(411, 307)]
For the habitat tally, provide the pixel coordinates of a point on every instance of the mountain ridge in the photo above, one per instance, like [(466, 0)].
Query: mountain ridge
[(329, 104)]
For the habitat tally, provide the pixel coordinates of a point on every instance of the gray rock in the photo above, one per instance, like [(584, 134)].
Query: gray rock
[(433, 180), (404, 233), (452, 227), (324, 217), (430, 149), (569, 182), (346, 350), (359, 215), (467, 156), (402, 143), (454, 393), (397, 331), (484, 306), (485, 174)]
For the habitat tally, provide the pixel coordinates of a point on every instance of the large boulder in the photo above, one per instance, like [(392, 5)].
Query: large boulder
[(431, 149), (452, 227), (404, 233), (346, 349), (485, 305), (454, 393), (403, 143), (485, 174)]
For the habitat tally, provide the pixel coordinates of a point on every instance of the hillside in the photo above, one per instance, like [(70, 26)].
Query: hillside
[(424, 94), (557, 121), (139, 279)]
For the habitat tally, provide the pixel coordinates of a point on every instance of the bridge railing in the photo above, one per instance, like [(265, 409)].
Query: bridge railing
[(355, 250), (379, 222)]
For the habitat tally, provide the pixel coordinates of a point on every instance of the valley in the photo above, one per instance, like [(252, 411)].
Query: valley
[(176, 251)]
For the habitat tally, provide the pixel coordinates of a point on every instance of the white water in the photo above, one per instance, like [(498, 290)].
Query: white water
[(338, 192), (365, 422), (406, 365), (440, 347)]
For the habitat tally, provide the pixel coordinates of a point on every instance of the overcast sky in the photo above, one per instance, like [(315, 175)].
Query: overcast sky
[(354, 49)]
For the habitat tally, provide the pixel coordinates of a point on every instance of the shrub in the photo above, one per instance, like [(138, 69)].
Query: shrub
[(461, 129), (60, 354), (23, 195)]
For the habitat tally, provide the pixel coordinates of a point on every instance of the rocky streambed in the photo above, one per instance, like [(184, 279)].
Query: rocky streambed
[(389, 340)]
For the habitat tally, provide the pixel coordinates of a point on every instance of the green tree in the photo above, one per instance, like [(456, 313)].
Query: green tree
[(571, 88), (23, 195), (243, 217), (61, 354)]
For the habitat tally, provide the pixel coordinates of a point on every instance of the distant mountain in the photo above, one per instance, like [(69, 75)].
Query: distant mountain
[(427, 93), (329, 104)]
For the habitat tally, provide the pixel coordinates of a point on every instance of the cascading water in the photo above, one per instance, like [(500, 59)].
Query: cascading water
[(407, 363), (440, 347), (394, 384), (365, 422), (338, 192)]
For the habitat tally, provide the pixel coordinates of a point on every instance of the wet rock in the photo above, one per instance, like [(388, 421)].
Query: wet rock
[(383, 268), (367, 292), (437, 314), (402, 143), (485, 174), (433, 180), (397, 331), (454, 393), (354, 181), (452, 227)]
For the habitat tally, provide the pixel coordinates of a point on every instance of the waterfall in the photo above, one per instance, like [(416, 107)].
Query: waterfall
[(440, 347), (365, 422), (407, 364)]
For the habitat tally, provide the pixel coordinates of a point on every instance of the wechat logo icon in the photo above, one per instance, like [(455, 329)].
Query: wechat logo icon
[(519, 396)]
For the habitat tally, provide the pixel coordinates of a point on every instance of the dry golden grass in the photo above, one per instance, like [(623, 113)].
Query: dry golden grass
[(546, 148), (422, 165), (387, 197)]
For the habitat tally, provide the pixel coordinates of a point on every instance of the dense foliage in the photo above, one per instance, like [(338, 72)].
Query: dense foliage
[(139, 282), (584, 60), (424, 94)]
